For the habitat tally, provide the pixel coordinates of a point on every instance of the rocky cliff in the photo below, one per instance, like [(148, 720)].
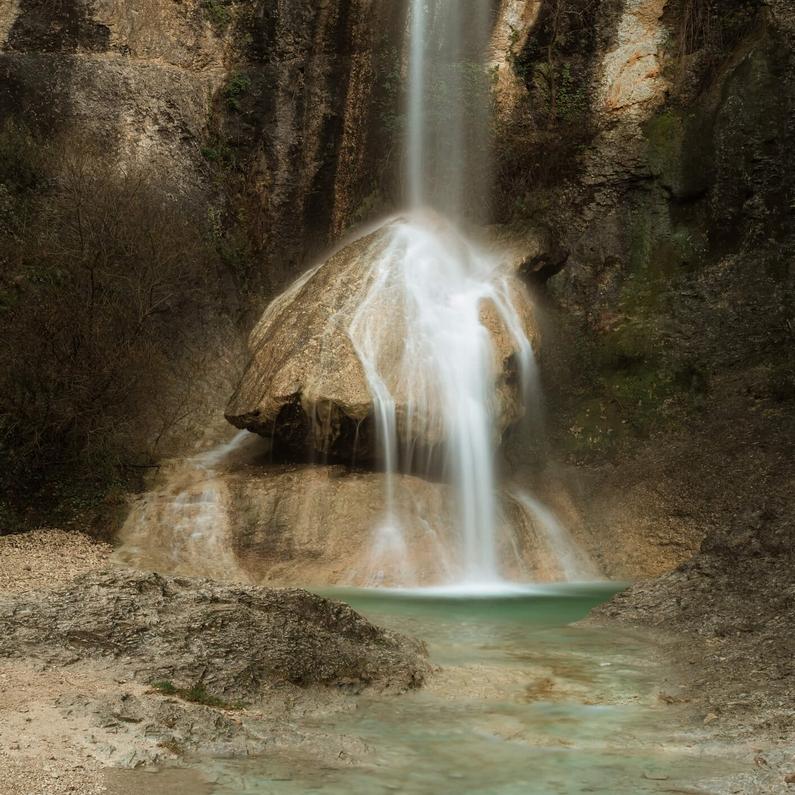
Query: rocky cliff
[(268, 111), (669, 130), (647, 143), (244, 131)]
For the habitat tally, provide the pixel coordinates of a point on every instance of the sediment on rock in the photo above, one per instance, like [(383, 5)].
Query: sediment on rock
[(232, 641), (729, 613)]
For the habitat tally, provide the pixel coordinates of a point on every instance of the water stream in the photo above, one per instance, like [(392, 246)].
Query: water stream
[(445, 285), (445, 368), (526, 705)]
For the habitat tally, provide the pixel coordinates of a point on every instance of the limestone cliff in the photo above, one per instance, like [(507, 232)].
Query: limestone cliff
[(648, 143), (274, 102), (669, 130)]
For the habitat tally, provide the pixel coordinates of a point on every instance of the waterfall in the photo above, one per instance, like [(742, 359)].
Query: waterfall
[(447, 155), (446, 284), (408, 350), (183, 525), (445, 368)]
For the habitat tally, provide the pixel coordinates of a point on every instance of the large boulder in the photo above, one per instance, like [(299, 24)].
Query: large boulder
[(306, 385)]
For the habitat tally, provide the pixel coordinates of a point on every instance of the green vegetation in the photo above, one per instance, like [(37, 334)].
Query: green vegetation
[(196, 694), (541, 141), (235, 89), (218, 13), (219, 152), (554, 64)]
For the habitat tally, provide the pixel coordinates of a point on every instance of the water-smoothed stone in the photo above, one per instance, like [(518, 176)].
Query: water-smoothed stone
[(306, 386), (327, 526), (232, 641)]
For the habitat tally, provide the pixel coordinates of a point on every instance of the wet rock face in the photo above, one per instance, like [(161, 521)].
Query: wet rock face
[(321, 525), (154, 84), (232, 640), (306, 386)]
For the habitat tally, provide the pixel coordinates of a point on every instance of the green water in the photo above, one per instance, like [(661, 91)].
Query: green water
[(526, 704)]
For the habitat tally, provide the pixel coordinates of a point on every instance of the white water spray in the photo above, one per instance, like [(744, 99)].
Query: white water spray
[(454, 295), (572, 561), (445, 369), (183, 526)]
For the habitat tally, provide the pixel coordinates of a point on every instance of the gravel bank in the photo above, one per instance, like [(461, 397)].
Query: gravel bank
[(47, 558)]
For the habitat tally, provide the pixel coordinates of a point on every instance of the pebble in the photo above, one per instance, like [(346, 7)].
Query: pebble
[(46, 558)]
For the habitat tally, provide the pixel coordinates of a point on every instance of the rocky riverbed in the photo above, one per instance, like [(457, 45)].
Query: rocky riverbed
[(726, 618), (106, 673), (115, 668)]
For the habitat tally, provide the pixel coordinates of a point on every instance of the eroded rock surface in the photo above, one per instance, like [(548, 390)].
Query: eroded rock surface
[(233, 641), (321, 525), (730, 610)]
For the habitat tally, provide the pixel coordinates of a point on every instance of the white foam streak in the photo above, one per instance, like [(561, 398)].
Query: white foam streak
[(445, 371), (183, 526), (575, 564)]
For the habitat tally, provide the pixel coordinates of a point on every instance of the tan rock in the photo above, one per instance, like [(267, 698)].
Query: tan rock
[(325, 526), (318, 525), (512, 26), (631, 81), (305, 384), (8, 16)]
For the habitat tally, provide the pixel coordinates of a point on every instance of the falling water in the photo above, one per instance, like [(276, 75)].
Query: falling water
[(445, 370), (183, 525), (445, 284), (571, 560), (447, 142)]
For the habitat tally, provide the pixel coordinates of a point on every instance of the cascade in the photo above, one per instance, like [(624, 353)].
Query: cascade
[(408, 353), (183, 525), (443, 282), (445, 368)]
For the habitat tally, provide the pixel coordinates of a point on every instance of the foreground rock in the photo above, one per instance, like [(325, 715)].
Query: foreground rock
[(729, 616), (232, 641), (120, 669)]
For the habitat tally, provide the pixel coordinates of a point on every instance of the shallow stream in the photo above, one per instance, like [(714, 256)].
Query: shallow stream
[(525, 704)]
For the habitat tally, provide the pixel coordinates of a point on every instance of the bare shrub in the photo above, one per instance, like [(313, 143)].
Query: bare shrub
[(107, 289)]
